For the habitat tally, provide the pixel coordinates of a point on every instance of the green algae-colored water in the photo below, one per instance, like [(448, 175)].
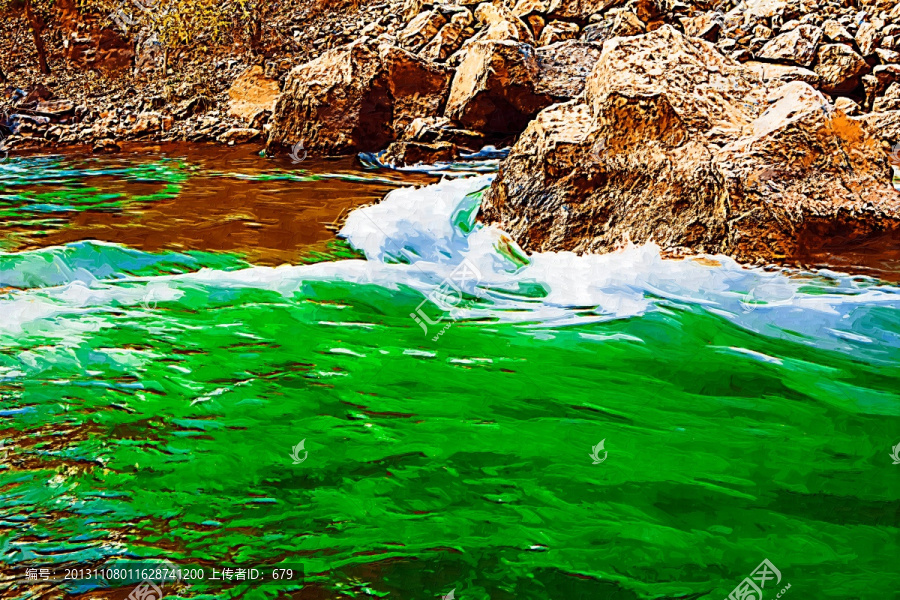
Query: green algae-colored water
[(152, 402)]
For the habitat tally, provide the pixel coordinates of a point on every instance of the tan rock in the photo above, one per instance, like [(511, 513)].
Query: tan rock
[(494, 87), (763, 9), (598, 32), (537, 24), (648, 11), (411, 8), (146, 123), (894, 16), (252, 92), (887, 56), (648, 66), (463, 17), (56, 109), (875, 84), (626, 23), (106, 146), (884, 125), (355, 98), (558, 31), (890, 100), (238, 135), (836, 32), (840, 68), (501, 24), (421, 29), (418, 88), (445, 43), (867, 37), (523, 8), (672, 146), (706, 25), (797, 46), (847, 106)]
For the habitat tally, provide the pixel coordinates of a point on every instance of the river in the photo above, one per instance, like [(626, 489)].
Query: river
[(220, 360)]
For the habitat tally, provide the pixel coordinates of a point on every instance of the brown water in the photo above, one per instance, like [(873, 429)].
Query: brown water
[(269, 221)]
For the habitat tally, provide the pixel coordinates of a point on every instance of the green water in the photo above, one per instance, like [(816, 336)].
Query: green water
[(152, 415)]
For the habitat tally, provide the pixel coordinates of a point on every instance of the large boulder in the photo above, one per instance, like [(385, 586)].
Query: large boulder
[(356, 98), (675, 144), (501, 85), (494, 87)]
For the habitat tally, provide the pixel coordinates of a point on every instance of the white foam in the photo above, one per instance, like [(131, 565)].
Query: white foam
[(413, 241)]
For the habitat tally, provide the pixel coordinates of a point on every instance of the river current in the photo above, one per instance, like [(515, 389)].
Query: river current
[(224, 361)]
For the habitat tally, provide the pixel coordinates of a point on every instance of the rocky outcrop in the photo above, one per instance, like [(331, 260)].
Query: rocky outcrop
[(357, 98), (848, 50), (675, 144)]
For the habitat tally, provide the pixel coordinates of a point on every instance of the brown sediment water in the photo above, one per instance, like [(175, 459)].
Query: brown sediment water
[(233, 200)]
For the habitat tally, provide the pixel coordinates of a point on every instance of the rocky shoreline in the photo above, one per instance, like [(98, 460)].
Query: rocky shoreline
[(761, 129)]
